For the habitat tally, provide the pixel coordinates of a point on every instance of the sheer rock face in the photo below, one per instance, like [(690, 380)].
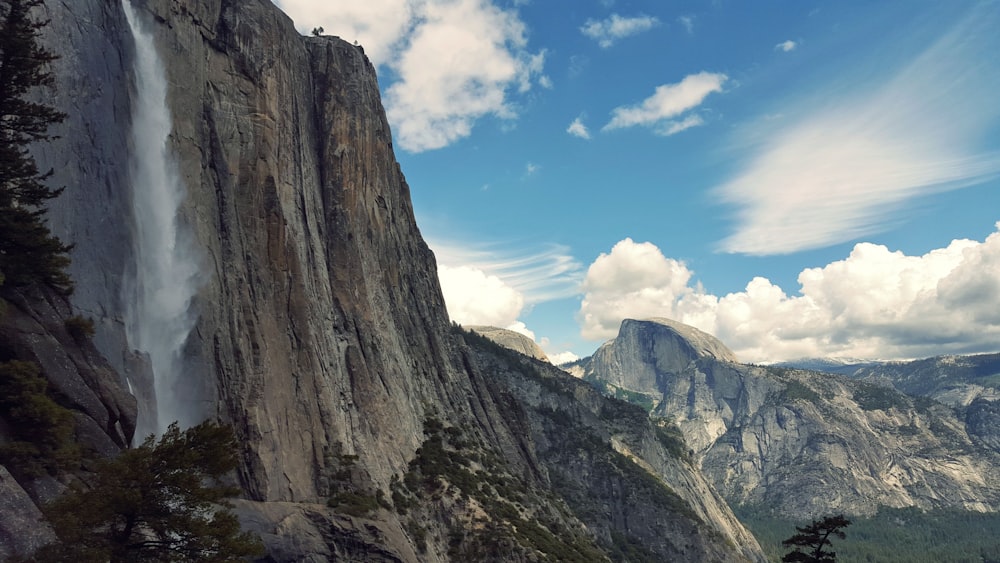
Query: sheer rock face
[(801, 442), (322, 332), (32, 329), (512, 340), (319, 299)]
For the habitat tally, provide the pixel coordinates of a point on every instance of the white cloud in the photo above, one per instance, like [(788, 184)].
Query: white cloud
[(687, 22), (537, 274), (873, 304), (486, 285), (453, 61), (847, 163), (607, 31), (378, 25), (521, 328), (474, 297), (578, 129), (674, 127), (786, 46), (560, 358), (634, 281), (531, 168), (668, 101)]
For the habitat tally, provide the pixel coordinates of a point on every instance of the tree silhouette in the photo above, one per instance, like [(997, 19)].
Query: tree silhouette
[(29, 253), (814, 538)]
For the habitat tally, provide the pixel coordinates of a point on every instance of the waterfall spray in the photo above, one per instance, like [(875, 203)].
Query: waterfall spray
[(159, 295)]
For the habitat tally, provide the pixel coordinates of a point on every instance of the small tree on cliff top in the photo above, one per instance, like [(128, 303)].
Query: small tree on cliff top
[(29, 253), (814, 538)]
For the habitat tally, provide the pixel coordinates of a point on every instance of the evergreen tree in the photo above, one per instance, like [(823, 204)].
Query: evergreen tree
[(29, 253), (157, 502), (815, 538)]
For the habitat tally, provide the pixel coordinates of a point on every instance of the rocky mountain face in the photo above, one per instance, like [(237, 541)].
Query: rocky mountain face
[(799, 442), (970, 384), (34, 329), (954, 380), (369, 429), (512, 340)]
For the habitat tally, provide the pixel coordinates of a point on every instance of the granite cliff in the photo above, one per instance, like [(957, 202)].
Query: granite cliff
[(370, 429), (798, 442)]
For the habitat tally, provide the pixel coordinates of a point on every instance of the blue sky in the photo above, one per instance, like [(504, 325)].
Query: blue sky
[(798, 178)]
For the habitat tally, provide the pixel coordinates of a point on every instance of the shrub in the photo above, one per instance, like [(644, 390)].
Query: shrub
[(80, 328)]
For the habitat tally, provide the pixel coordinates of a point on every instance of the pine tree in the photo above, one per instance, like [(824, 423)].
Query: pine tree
[(29, 253), (161, 501), (815, 538)]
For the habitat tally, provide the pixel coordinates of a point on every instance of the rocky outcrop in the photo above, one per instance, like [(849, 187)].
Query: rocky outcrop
[(512, 340), (803, 443)]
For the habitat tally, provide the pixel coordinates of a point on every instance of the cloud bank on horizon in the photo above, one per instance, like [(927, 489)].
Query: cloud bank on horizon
[(876, 303)]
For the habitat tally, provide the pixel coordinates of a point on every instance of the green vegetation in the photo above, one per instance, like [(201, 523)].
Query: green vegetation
[(42, 430), (447, 464), (161, 501), (895, 535), (647, 402), (80, 328), (29, 253), (671, 437), (872, 397), (346, 497), (796, 391)]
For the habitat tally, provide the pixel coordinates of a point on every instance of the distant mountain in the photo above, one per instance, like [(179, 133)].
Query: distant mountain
[(953, 380), (511, 340), (843, 366), (800, 443)]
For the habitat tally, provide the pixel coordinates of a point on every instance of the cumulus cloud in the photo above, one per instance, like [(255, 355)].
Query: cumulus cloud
[(452, 61), (667, 102), (839, 169), (875, 303), (786, 46), (578, 129), (474, 297), (560, 358), (378, 25), (616, 27)]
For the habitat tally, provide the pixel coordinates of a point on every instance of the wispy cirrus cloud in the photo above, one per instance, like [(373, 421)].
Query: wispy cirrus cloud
[(842, 168), (668, 102), (608, 31), (430, 104), (494, 285), (538, 273)]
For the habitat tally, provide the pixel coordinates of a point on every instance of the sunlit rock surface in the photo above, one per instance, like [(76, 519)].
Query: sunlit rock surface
[(802, 442)]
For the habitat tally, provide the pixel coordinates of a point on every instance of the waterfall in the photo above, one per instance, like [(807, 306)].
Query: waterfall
[(160, 290)]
